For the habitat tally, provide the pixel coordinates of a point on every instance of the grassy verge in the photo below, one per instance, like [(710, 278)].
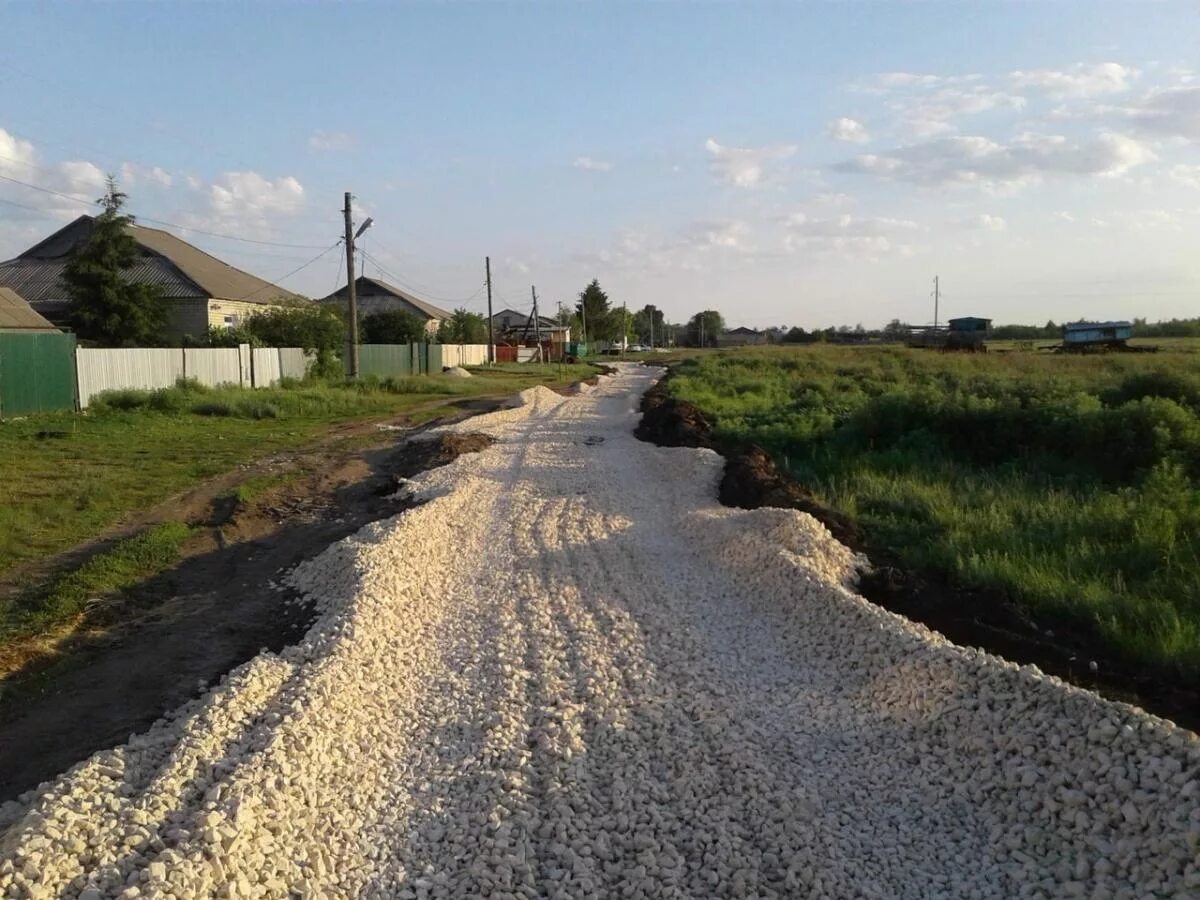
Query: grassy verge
[(122, 565), (1072, 484), (64, 478)]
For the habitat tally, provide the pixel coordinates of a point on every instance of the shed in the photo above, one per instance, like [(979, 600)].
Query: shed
[(1096, 332), (16, 315), (970, 324)]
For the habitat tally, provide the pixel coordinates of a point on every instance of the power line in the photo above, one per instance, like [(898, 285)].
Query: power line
[(293, 272), (404, 283)]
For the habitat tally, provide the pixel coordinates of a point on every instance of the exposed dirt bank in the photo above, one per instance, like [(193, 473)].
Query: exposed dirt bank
[(149, 649)]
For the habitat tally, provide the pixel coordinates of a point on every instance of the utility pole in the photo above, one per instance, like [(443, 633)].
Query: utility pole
[(491, 354), (537, 324), (582, 321), (653, 310), (936, 298), (351, 295), (624, 327), (702, 330)]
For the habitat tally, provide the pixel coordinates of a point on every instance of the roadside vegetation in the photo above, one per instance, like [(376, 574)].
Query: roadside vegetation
[(1072, 484), (65, 478)]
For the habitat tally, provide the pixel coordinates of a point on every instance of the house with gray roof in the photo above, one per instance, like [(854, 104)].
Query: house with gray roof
[(375, 295), (199, 289)]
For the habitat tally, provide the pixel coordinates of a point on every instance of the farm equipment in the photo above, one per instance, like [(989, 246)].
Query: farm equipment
[(967, 334), (1098, 337)]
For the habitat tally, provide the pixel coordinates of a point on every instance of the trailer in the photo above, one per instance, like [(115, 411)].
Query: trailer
[(1098, 337)]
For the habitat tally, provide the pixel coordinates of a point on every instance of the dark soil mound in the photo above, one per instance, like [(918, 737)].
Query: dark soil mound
[(988, 619)]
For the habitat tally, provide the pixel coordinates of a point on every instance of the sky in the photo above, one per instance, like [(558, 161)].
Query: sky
[(806, 164)]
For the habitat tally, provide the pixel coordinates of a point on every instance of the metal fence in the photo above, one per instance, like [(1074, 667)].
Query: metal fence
[(37, 373), (45, 371)]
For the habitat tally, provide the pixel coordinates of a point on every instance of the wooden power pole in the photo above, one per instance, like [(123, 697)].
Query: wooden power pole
[(351, 294), (491, 354), (537, 324)]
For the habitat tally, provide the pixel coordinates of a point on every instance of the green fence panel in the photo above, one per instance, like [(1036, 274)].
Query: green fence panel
[(37, 373), (386, 360)]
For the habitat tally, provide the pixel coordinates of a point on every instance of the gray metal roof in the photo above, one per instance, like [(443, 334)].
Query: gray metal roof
[(17, 315), (365, 286), (173, 264)]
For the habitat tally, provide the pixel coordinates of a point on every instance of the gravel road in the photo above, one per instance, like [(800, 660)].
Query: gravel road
[(572, 673)]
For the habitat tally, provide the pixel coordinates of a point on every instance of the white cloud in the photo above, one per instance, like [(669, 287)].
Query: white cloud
[(745, 167), (834, 199), (1079, 81), (891, 82), (1064, 216), (982, 222), (848, 130), (132, 174), (1187, 175), (993, 166), (867, 237), (327, 141), (16, 155), (717, 235), (1173, 112), (248, 194), (592, 165)]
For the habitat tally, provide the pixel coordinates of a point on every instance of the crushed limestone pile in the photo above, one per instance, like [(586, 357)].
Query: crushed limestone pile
[(571, 673)]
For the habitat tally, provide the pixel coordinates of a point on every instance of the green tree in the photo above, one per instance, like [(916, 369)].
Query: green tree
[(598, 318), (392, 326), (649, 325), (105, 306), (464, 327), (318, 329), (705, 336)]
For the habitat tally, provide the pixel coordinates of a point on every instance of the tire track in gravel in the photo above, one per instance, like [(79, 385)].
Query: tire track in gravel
[(571, 673)]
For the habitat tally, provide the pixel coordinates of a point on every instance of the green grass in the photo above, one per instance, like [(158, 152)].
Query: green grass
[(254, 487), (64, 478), (123, 565), (1070, 483)]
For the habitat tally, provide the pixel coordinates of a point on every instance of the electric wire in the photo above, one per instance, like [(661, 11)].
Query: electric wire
[(299, 268)]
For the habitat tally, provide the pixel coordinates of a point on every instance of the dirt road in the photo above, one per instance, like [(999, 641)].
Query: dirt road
[(572, 673)]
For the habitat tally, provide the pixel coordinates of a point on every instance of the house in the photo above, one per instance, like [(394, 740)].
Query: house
[(374, 295), (200, 290), (741, 337), (510, 320), (18, 316)]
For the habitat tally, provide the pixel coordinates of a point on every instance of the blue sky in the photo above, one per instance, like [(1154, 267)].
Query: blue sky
[(792, 163)]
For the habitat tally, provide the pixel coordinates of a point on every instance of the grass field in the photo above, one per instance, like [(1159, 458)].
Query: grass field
[(1070, 483), (66, 477)]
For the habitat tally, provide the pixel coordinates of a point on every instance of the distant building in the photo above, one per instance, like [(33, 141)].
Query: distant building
[(374, 295), (200, 290), (741, 337), (1080, 333), (507, 320), (18, 316)]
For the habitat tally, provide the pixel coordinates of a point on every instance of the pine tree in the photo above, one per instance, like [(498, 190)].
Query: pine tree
[(105, 306), (593, 306)]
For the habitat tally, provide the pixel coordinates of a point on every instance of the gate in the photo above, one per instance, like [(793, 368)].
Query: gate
[(37, 373)]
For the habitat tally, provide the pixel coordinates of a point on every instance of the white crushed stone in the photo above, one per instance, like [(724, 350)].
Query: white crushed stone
[(572, 673), (457, 372)]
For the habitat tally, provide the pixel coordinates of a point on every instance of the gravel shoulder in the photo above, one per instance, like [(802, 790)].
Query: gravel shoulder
[(571, 672)]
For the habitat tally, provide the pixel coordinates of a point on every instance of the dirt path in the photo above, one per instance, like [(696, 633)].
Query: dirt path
[(143, 653), (572, 673)]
